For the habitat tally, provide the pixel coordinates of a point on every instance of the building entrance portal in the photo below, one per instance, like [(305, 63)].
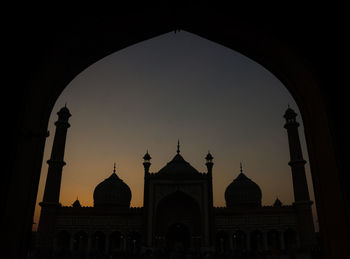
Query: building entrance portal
[(178, 237), (178, 221)]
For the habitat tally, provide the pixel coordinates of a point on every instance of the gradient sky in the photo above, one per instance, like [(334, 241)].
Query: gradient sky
[(175, 86)]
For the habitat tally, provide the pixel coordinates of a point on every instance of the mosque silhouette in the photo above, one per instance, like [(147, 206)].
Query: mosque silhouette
[(178, 215)]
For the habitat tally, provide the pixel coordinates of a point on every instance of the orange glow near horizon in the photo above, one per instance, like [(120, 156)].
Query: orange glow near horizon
[(176, 86)]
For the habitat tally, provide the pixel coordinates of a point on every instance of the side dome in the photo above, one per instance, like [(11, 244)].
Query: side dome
[(112, 192), (243, 192)]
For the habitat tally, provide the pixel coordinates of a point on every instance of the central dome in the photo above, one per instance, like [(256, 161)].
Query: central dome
[(112, 192), (243, 192)]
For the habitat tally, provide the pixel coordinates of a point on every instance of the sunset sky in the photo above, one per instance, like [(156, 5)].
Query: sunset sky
[(175, 86)]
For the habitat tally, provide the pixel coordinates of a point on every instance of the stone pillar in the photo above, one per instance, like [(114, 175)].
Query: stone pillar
[(230, 240), (88, 250), (107, 245), (123, 242), (54, 250), (265, 244), (234, 241), (283, 247), (248, 240), (72, 242)]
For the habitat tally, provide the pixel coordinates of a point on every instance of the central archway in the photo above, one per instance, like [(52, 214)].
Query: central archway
[(178, 237), (178, 222)]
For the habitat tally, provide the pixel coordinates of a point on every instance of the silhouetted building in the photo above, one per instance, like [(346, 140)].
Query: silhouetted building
[(177, 213)]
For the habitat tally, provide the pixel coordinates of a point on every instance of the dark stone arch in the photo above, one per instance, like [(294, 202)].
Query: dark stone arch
[(135, 240), (290, 239), (256, 240), (178, 237), (222, 242), (80, 242), (57, 55), (178, 208), (239, 240), (63, 243), (98, 242), (273, 240), (116, 239)]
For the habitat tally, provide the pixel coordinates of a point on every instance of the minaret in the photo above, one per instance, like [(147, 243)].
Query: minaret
[(146, 189), (209, 163), (302, 203), (56, 163), (50, 201), (297, 162)]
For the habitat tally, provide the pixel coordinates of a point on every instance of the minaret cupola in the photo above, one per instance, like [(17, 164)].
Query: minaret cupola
[(209, 158), (147, 162)]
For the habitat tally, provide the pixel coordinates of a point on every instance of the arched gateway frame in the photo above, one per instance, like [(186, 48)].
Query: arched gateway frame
[(82, 42), (178, 222)]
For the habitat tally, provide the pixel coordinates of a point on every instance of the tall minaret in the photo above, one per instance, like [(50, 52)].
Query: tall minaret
[(302, 202), (146, 198), (297, 162), (209, 163), (56, 163), (50, 201)]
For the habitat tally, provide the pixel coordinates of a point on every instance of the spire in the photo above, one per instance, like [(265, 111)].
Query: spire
[(114, 167), (240, 166), (76, 204), (178, 147), (277, 203)]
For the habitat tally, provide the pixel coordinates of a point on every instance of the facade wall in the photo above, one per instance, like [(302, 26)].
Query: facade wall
[(261, 224)]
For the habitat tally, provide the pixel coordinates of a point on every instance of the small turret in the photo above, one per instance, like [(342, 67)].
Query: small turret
[(277, 203), (147, 162), (76, 204), (209, 158)]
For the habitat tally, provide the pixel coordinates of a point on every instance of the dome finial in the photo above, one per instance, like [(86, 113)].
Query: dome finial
[(114, 168), (178, 147), (240, 166)]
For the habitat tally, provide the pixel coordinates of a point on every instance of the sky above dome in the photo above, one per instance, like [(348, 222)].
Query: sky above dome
[(175, 86)]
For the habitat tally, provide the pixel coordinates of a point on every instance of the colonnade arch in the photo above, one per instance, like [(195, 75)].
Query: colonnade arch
[(256, 240), (96, 243)]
